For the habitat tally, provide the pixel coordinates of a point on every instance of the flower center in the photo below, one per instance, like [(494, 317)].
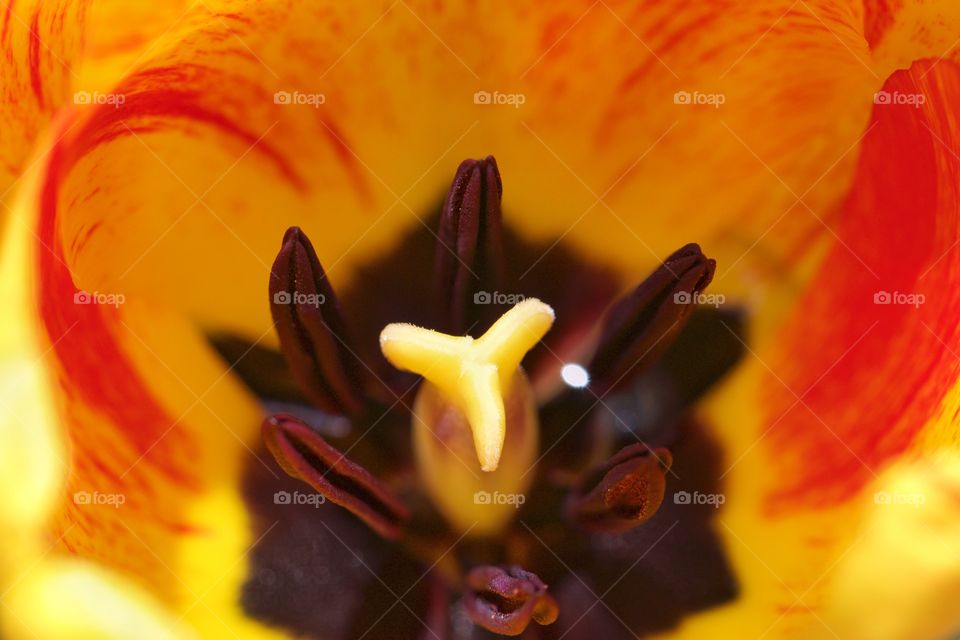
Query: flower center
[(476, 427)]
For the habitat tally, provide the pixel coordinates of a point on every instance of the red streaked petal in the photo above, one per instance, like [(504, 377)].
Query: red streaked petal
[(872, 374), (39, 54), (153, 426), (200, 116), (54, 49)]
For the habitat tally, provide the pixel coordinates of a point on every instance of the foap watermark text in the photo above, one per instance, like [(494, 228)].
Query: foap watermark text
[(709, 299), (496, 497), (899, 97), (498, 98), (497, 297), (299, 498), (698, 498), (299, 98), (97, 297), (97, 498), (914, 500), (97, 97), (295, 297), (699, 98), (899, 298)]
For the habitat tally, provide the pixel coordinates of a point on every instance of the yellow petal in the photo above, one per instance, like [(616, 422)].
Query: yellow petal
[(154, 468), (32, 456), (78, 600), (900, 578)]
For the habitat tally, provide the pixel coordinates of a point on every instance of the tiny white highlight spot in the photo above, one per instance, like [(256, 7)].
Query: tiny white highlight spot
[(575, 375)]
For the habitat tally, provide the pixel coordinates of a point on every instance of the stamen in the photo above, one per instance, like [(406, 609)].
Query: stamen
[(469, 255), (506, 600), (640, 326), (623, 493), (472, 374), (311, 330), (306, 456)]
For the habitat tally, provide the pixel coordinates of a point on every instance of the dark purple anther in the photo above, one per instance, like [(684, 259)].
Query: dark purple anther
[(624, 492), (505, 600), (642, 324), (311, 330), (469, 257), (306, 456)]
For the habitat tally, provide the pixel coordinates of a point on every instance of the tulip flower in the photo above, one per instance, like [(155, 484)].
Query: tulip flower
[(673, 353)]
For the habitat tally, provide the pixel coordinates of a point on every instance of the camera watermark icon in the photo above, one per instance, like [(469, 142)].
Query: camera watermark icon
[(497, 98), (488, 498), (896, 297), (299, 98), (96, 498), (708, 299), (712, 499), (97, 97), (497, 297), (295, 297), (898, 97), (699, 98), (885, 498), (298, 498), (96, 297)]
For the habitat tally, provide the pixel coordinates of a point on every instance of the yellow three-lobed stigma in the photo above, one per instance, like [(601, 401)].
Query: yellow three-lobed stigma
[(473, 374)]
